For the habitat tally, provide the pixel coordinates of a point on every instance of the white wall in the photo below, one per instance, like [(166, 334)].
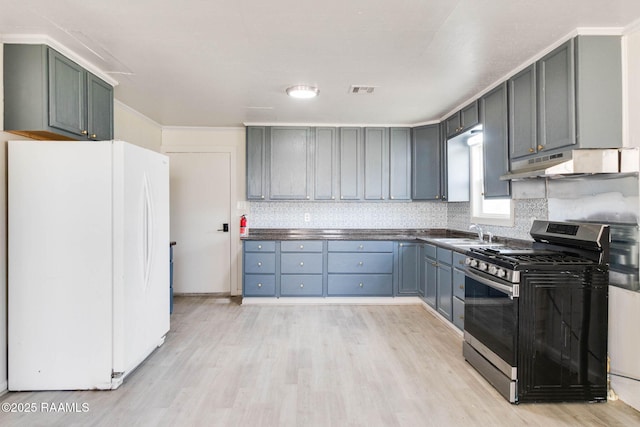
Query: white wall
[(134, 127), (231, 140)]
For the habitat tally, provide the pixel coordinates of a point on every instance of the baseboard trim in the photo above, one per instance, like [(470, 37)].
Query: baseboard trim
[(333, 301)]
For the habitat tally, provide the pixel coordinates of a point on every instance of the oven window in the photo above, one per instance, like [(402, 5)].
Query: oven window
[(491, 317)]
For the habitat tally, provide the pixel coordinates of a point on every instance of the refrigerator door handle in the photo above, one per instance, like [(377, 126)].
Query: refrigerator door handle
[(147, 230)]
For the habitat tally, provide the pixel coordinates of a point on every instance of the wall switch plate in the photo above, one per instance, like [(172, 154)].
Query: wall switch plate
[(307, 217)]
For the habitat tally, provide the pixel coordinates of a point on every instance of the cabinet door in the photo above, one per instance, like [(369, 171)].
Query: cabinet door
[(421, 271), (289, 164), (409, 265), (445, 291), (256, 163), (469, 116), (495, 144), (556, 98), (430, 281), (325, 182), (426, 175), (350, 164), (376, 163), (99, 109), (523, 113), (67, 94), (452, 125), (400, 164)]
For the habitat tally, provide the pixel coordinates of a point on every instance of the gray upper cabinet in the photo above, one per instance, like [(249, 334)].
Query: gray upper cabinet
[(578, 89), (400, 164), (376, 163), (556, 98), (326, 161), (257, 137), (494, 113), (426, 163), (290, 163), (523, 112), (48, 96), (462, 120), (350, 164)]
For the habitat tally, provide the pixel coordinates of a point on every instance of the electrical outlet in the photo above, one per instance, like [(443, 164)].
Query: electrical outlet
[(307, 217)]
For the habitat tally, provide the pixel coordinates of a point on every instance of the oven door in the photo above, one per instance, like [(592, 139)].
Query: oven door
[(491, 320)]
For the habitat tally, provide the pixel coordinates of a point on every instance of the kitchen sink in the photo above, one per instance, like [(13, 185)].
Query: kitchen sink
[(464, 242)]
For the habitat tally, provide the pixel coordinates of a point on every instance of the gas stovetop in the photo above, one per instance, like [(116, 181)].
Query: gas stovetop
[(519, 258)]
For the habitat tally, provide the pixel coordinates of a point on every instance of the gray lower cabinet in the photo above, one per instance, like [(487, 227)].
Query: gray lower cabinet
[(360, 268), (301, 268), (458, 290), (495, 146), (408, 268), (259, 262), (430, 277), (47, 96), (444, 293), (426, 180)]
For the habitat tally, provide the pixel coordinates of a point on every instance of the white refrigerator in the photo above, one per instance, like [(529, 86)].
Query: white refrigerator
[(88, 262)]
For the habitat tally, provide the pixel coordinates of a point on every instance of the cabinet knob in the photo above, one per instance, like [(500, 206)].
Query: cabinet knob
[(93, 135), (401, 244), (360, 263), (84, 132), (437, 196), (259, 264), (333, 197), (381, 198), (301, 246), (391, 197), (531, 150), (540, 147), (302, 285), (259, 246), (342, 197), (308, 197), (259, 285), (361, 285), (461, 286), (262, 197), (361, 247), (301, 264)]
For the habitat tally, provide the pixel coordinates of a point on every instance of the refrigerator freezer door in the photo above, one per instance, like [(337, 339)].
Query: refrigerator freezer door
[(60, 265), (141, 253)]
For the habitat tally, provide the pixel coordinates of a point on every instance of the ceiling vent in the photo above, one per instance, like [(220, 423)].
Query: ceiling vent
[(358, 89)]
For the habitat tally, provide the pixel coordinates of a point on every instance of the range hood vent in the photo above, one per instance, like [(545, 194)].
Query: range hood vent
[(587, 161)]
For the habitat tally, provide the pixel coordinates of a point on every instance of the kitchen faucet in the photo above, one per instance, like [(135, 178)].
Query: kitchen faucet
[(478, 229)]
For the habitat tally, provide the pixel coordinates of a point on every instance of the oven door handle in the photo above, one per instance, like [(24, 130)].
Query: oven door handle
[(513, 291)]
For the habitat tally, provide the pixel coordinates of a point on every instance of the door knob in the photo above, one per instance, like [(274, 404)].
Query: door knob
[(225, 228)]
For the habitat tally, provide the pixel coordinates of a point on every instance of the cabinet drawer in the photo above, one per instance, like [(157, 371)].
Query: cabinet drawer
[(259, 246), (301, 246), (444, 256), (293, 263), (458, 259), (301, 285), (458, 313), (260, 285), (259, 263), (360, 284), (458, 283), (430, 251), (360, 246), (360, 263)]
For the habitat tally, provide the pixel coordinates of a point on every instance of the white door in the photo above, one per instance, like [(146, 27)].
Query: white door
[(200, 205)]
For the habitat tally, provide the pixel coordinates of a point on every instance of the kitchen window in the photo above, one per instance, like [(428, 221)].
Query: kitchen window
[(485, 211)]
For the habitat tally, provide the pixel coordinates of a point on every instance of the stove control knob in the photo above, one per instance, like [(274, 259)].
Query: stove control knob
[(501, 273), (493, 269), (483, 266), (467, 261), (473, 263)]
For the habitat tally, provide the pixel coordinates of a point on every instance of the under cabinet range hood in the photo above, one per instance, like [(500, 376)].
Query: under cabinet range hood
[(585, 161)]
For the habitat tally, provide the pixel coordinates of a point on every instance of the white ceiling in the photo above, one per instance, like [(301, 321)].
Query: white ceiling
[(228, 62)]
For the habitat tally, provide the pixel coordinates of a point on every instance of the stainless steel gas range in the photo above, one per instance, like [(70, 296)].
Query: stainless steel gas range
[(536, 318)]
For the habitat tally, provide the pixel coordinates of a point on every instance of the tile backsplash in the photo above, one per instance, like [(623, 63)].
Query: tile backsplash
[(414, 215)]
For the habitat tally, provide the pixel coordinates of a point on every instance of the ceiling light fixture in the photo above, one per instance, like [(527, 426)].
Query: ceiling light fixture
[(303, 91)]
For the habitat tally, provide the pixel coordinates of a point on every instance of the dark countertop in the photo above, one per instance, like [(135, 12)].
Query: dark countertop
[(397, 235)]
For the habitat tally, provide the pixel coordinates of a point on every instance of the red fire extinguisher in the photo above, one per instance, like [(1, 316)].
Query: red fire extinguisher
[(243, 226)]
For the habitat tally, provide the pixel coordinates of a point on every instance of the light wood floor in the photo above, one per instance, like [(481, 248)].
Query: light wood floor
[(224, 364)]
